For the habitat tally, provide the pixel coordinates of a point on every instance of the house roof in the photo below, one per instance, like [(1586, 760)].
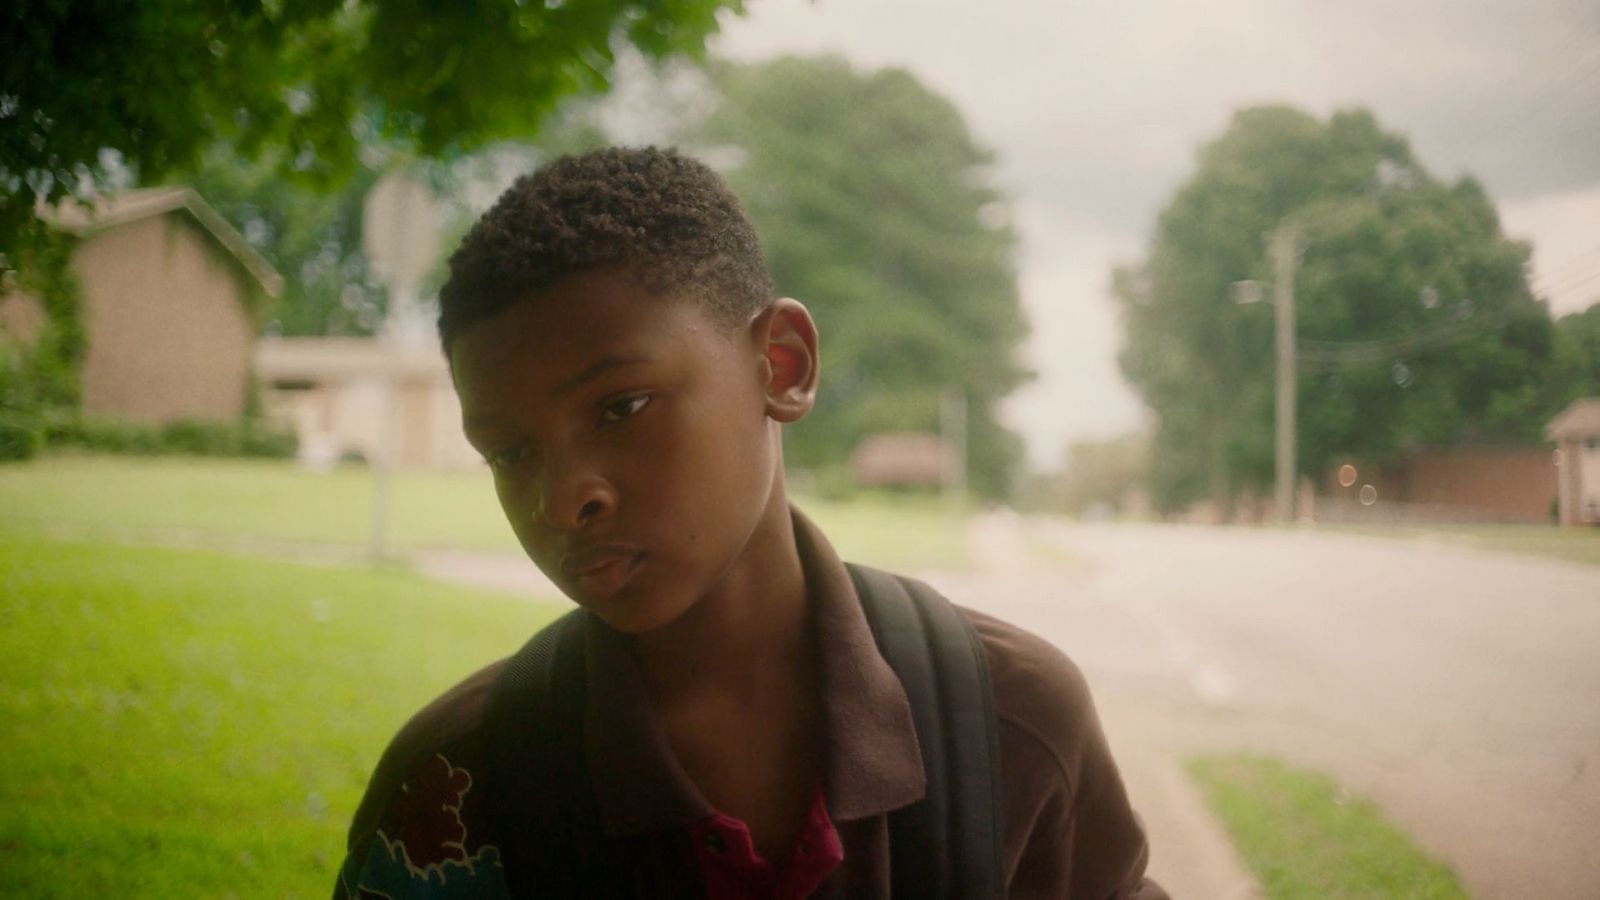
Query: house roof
[(131, 206), (322, 360), (1581, 419)]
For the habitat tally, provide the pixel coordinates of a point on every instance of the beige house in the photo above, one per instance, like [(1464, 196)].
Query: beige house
[(377, 399), (169, 297), (1576, 432)]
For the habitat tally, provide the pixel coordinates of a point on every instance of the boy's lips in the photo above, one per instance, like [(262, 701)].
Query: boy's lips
[(602, 569)]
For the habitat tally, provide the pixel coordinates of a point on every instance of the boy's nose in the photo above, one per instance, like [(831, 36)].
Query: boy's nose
[(573, 503)]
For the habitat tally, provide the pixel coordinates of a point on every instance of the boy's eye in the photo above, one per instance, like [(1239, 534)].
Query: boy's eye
[(617, 410), (506, 456)]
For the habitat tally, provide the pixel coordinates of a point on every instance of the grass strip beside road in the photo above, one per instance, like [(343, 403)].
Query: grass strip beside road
[(1581, 545), (906, 534), (181, 723), (1304, 838)]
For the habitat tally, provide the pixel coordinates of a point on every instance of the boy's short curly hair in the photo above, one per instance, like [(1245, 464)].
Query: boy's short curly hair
[(661, 217)]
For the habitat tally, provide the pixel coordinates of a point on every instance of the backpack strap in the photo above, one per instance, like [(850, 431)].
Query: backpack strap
[(948, 843), (538, 798)]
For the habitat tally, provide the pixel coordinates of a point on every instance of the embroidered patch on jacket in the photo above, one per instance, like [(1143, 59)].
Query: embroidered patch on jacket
[(424, 848)]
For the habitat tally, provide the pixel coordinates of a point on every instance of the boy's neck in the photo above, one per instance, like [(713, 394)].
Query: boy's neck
[(751, 634)]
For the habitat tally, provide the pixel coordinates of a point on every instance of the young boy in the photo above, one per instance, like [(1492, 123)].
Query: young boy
[(625, 370)]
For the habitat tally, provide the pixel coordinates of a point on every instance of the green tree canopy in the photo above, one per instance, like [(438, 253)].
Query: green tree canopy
[(92, 85), (1414, 315), (313, 236), (873, 202), (1577, 358)]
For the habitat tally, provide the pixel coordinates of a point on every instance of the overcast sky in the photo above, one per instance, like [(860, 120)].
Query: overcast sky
[(1096, 107)]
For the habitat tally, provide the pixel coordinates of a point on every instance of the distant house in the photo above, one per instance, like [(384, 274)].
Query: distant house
[(1576, 432), (901, 459), (1510, 483), (365, 398), (169, 297)]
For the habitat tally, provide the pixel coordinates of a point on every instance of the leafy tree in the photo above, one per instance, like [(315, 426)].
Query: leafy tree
[(91, 86), (312, 235), (1435, 335), (1577, 358), (872, 201)]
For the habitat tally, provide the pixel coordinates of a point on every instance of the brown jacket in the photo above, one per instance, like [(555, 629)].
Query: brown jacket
[(1068, 831)]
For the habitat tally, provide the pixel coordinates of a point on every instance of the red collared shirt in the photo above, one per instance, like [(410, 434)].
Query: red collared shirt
[(733, 870)]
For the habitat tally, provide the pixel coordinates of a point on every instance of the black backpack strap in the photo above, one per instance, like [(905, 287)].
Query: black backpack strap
[(947, 844), (537, 793)]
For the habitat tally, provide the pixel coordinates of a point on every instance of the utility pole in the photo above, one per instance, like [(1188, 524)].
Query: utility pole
[(953, 422), (1284, 248)]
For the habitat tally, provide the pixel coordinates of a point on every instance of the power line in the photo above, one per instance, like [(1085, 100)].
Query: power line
[(1595, 276), (1577, 278), (1342, 353)]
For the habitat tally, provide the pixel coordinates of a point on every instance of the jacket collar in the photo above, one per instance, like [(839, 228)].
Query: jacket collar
[(872, 763)]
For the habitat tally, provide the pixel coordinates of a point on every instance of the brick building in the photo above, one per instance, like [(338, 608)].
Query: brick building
[(170, 294)]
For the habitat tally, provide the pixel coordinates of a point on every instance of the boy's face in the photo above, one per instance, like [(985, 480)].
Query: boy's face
[(632, 440)]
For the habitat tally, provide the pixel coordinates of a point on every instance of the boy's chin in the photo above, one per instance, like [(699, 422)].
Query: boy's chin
[(636, 616)]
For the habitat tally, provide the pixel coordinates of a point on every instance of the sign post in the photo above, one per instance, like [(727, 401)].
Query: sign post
[(400, 232)]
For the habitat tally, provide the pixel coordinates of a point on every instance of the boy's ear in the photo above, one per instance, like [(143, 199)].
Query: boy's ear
[(787, 338)]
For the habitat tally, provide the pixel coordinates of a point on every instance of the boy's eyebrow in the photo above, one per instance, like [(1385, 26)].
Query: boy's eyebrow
[(600, 367), (471, 423)]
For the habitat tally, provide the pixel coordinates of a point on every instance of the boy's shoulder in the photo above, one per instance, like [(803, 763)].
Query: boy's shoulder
[(421, 800), (1070, 829), (420, 829), (453, 715), (1037, 688)]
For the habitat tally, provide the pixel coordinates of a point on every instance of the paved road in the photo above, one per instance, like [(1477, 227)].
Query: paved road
[(1458, 689)]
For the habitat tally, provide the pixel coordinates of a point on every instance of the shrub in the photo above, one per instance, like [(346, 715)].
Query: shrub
[(193, 438), (102, 435), (257, 438), (20, 437), (187, 437)]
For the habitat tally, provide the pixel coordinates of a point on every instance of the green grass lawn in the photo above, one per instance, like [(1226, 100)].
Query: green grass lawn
[(1574, 544), (180, 723), (1305, 839), (231, 503), (215, 500)]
